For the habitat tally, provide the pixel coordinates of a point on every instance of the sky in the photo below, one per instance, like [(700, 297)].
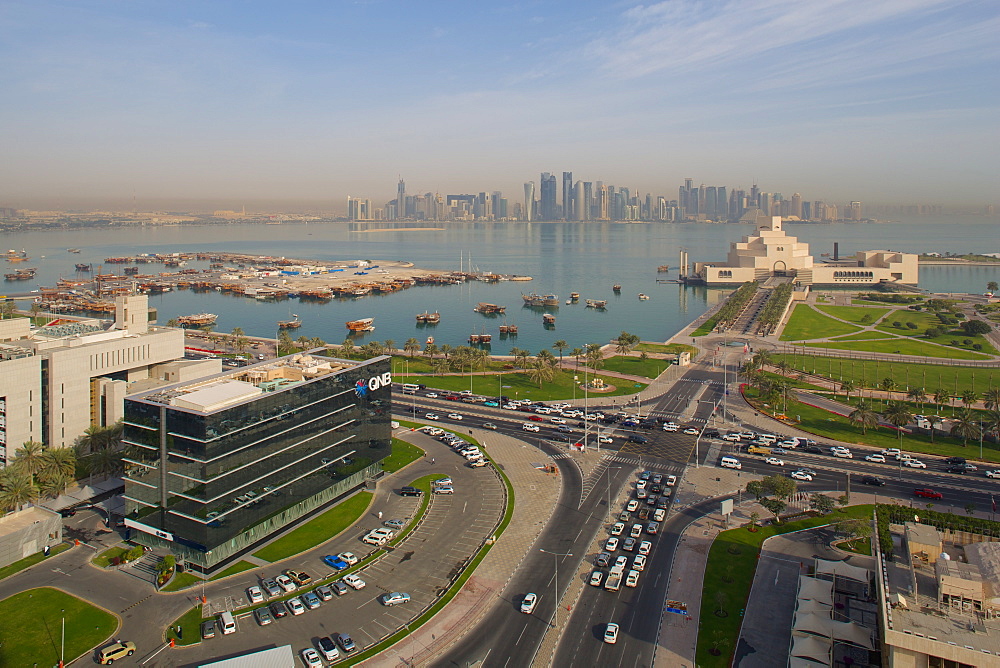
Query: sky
[(311, 101)]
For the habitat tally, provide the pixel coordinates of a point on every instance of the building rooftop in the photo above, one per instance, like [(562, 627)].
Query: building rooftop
[(13, 522)]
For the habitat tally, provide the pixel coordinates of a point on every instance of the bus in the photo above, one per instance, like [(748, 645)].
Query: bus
[(410, 388)]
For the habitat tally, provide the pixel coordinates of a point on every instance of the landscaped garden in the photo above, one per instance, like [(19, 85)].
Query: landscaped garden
[(521, 385), (807, 323), (318, 530), (31, 560)]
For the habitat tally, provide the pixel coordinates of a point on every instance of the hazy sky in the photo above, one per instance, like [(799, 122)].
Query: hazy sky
[(879, 100)]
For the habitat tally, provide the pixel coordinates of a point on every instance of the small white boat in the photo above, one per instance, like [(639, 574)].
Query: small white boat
[(643, 297)]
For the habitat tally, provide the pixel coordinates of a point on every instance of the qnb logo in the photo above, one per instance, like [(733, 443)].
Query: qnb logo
[(363, 387)]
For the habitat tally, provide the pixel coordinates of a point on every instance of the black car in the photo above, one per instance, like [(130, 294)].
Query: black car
[(959, 468), (644, 513), (955, 460), (872, 480), (208, 629), (637, 438), (656, 489), (410, 491), (711, 433), (663, 502), (645, 475), (278, 609), (814, 449), (603, 559)]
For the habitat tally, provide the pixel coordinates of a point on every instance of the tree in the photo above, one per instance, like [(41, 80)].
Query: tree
[(560, 345), (917, 395), (847, 387), (28, 458), (411, 346), (968, 397), (303, 341), (970, 509), (821, 503), (541, 371), (547, 357), (974, 327), (855, 529), (440, 365), (991, 423), (941, 396), (992, 286), (173, 322), (595, 356), (888, 385), (430, 350), (966, 426), (347, 347), (863, 416), (991, 398), (756, 487), (754, 520), (56, 461), (166, 564), (284, 342), (774, 506), (520, 357), (780, 486), (898, 415), (446, 350), (18, 489), (53, 484), (241, 343), (105, 462), (317, 342), (389, 346), (577, 353)]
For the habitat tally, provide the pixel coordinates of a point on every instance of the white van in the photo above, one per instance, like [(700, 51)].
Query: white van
[(410, 388), (227, 623), (730, 463), (767, 438)]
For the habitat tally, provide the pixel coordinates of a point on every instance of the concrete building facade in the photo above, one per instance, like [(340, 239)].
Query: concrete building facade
[(27, 532)]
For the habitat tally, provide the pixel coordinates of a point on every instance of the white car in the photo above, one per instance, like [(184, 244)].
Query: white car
[(557, 420), (597, 578), (611, 544), (285, 583), (528, 603), (641, 484), (527, 426), (691, 431), (875, 457), (353, 581), (349, 557), (431, 395), (636, 531), (620, 563), (993, 474), (801, 475), (632, 579), (633, 504), (454, 416), (444, 489), (845, 454), (310, 658), (730, 437), (432, 416), (645, 547), (891, 452), (639, 562), (611, 633), (659, 515), (256, 594), (618, 528), (774, 461), (670, 481), (295, 605), (603, 438), (914, 464), (671, 427)]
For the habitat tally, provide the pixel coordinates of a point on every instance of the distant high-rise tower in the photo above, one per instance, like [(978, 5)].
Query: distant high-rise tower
[(401, 199), (529, 200), (855, 210), (796, 208), (567, 195), (547, 205)]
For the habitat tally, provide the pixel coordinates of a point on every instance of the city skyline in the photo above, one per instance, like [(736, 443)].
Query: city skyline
[(225, 102)]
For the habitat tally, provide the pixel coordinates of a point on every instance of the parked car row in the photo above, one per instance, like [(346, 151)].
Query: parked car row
[(471, 452)]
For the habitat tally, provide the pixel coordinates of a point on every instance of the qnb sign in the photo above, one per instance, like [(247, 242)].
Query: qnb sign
[(363, 387)]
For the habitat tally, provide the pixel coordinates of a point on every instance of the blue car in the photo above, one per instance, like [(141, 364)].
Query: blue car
[(491, 404), (335, 561)]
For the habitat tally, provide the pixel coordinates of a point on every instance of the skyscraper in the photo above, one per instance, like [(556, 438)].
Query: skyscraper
[(529, 200), (796, 207), (567, 195), (401, 199), (855, 210), (548, 199), (588, 200)]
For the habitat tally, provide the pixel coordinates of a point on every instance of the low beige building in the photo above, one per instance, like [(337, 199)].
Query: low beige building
[(28, 531)]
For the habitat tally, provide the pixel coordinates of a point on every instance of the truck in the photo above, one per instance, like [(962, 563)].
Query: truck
[(614, 581)]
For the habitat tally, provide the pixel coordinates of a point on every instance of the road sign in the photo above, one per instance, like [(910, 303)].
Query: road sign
[(727, 506)]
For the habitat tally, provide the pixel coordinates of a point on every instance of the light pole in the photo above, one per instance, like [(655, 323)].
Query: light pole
[(62, 647), (608, 470), (556, 555)]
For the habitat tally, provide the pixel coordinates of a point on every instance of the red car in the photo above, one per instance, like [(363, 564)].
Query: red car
[(537, 418), (927, 493)]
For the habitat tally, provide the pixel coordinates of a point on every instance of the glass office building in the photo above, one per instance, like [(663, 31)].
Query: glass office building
[(218, 465)]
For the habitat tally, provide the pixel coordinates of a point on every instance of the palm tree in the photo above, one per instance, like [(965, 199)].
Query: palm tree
[(847, 387), (888, 385), (53, 485), (520, 357), (317, 342), (898, 416), (968, 397), (446, 350), (560, 345), (864, 417), (541, 371), (6, 309), (991, 423), (440, 365), (761, 358), (28, 458), (547, 357), (595, 356), (992, 286), (93, 438), (17, 491), (918, 395), (173, 322), (991, 398), (782, 366), (430, 350), (480, 358), (303, 341), (966, 426), (577, 353), (411, 346), (57, 461), (941, 396), (390, 346), (284, 342), (105, 462)]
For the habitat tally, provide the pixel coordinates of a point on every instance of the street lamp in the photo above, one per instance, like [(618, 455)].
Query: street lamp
[(555, 622), (608, 470), (62, 647)]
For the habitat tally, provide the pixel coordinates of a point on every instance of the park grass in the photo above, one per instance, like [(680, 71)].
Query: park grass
[(855, 547), (729, 573), (318, 530), (864, 336), (857, 315), (402, 454), (238, 567), (517, 384), (706, 327), (807, 323), (31, 560), (31, 632), (181, 581), (190, 623), (901, 346), (871, 373), (825, 424), (103, 560), (666, 348), (635, 366), (922, 320), (795, 382)]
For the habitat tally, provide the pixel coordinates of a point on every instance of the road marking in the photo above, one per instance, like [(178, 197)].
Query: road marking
[(521, 634)]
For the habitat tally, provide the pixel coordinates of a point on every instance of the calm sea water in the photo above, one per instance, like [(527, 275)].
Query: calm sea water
[(562, 257)]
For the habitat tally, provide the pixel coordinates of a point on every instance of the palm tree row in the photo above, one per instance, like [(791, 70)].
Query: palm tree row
[(35, 472)]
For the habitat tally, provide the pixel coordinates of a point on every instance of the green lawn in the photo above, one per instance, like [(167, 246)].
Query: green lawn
[(103, 560), (857, 547), (238, 567), (317, 530), (871, 373), (922, 319), (402, 454), (190, 623), (31, 632), (706, 327), (518, 385), (182, 581), (666, 348), (634, 366), (729, 573), (30, 561), (807, 323), (855, 314), (901, 346), (864, 336)]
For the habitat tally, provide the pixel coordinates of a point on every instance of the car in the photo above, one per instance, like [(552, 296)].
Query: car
[(779, 451), (339, 588), (653, 528), (835, 448), (324, 592), (639, 562), (596, 579), (301, 578), (345, 642), (327, 648), (644, 513), (629, 544), (927, 493), (637, 438), (263, 615), (621, 562), (489, 425), (657, 478), (844, 454), (278, 609), (476, 463), (656, 489), (645, 475), (875, 457), (271, 587), (801, 475), (872, 480), (662, 502), (410, 491), (652, 499), (350, 557), (353, 581), (691, 431), (774, 461), (891, 452), (208, 629), (961, 470), (431, 416), (557, 420), (625, 516), (914, 464), (670, 480), (660, 514), (604, 438), (730, 437), (563, 429), (993, 474), (444, 489), (617, 528), (443, 481), (788, 443), (285, 583), (611, 633), (335, 562), (454, 416), (635, 531), (814, 449), (747, 435), (394, 598), (491, 404), (955, 460), (537, 418), (670, 427), (602, 560), (310, 657), (528, 603), (632, 505), (632, 579), (645, 547), (311, 600), (527, 426), (378, 536), (295, 605), (641, 493), (431, 395), (611, 544)]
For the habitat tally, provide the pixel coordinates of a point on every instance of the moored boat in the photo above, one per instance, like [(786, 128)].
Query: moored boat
[(429, 317), (73, 250), (597, 303), (83, 266), (293, 323), (197, 320), (429, 341), (489, 309), (363, 325), (575, 296), (616, 287), (643, 296), (550, 300), (548, 319)]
